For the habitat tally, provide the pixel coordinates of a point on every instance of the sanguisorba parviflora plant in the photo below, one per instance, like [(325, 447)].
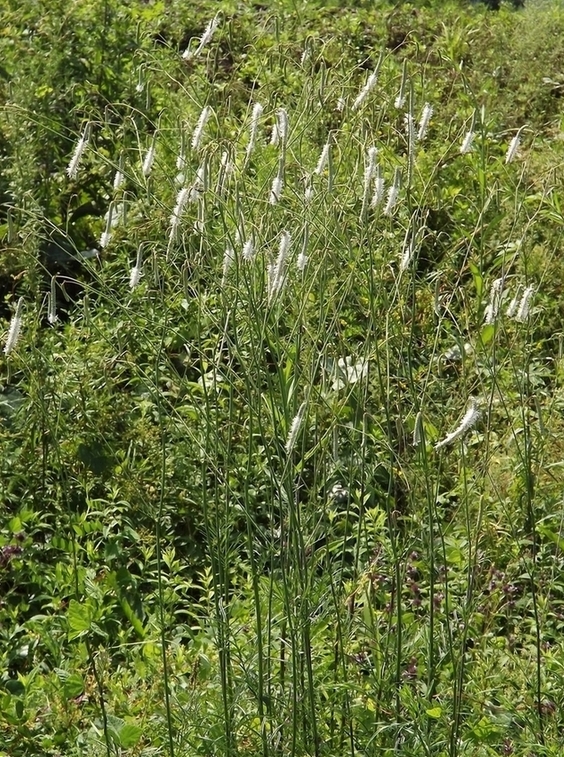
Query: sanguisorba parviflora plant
[(318, 333)]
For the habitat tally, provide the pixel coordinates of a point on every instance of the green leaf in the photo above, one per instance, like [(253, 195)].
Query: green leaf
[(15, 687), (73, 686), (486, 334), (129, 735), (434, 712), (478, 280), (548, 533), (19, 707), (80, 619)]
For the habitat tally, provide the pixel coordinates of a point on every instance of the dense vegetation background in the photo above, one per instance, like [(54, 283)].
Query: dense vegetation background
[(281, 413)]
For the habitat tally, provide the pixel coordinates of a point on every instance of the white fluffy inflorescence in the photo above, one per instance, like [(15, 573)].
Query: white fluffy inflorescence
[(323, 160), (470, 419), (424, 121), (492, 308), (524, 305), (466, 145), (15, 328), (205, 39), (277, 270), (136, 271), (366, 90), (200, 126), (258, 110), (148, 161), (295, 429), (393, 193), (513, 148), (276, 190), (81, 145)]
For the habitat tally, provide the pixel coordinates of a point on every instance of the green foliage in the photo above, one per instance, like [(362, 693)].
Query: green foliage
[(246, 505)]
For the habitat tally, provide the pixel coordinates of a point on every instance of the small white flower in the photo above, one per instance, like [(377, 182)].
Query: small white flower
[(134, 277), (295, 429), (492, 308), (524, 305), (209, 30), (513, 147), (81, 145), (149, 160), (378, 194), (424, 121), (323, 160), (15, 328), (346, 372), (308, 194), (118, 179), (277, 272), (276, 190), (200, 126), (301, 261), (514, 304), (365, 91), (274, 136), (205, 39), (105, 239), (341, 103), (470, 419), (257, 113), (393, 193), (409, 129), (466, 145), (282, 126), (399, 102), (248, 250), (181, 200), (201, 181), (228, 260), (407, 256), (370, 166)]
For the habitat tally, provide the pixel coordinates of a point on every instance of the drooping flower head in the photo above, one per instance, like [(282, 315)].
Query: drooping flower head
[(258, 110), (205, 39), (81, 145), (200, 126), (424, 121), (14, 329), (470, 418)]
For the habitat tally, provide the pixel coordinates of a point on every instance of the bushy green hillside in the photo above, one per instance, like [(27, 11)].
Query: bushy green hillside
[(282, 382)]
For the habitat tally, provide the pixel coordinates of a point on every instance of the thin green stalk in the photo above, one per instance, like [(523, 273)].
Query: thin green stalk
[(158, 535)]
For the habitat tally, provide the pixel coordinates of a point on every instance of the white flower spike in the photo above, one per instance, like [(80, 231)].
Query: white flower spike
[(470, 419), (15, 328)]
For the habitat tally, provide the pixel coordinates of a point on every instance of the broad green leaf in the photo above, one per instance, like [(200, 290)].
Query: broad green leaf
[(487, 333), (15, 687), (73, 686), (129, 735), (80, 618), (434, 712)]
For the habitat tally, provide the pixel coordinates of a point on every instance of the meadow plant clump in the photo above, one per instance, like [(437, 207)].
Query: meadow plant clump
[(280, 454)]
